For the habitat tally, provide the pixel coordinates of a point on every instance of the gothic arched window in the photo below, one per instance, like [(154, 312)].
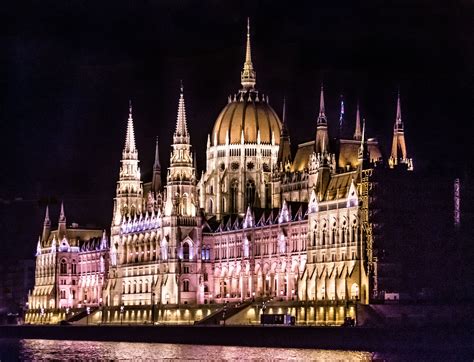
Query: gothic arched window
[(210, 206), (186, 286), (234, 192), (63, 267), (250, 193), (185, 251)]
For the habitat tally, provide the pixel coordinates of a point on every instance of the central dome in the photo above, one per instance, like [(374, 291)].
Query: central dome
[(250, 115)]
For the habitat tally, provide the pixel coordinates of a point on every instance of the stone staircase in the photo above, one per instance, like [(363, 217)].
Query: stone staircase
[(80, 316), (222, 314)]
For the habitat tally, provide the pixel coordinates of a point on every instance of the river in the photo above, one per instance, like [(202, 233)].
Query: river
[(43, 349)]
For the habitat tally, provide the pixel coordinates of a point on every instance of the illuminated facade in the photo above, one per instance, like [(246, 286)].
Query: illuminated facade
[(71, 266), (257, 222)]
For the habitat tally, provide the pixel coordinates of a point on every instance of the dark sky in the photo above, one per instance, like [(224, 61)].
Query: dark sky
[(68, 69)]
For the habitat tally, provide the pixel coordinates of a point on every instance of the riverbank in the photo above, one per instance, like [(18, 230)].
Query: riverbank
[(443, 339)]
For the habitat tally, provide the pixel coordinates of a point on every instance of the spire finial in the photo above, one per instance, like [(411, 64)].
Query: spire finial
[(47, 221), (398, 120), (322, 113), (62, 214), (157, 165), (248, 75), (181, 132), (130, 147), (284, 110), (357, 132)]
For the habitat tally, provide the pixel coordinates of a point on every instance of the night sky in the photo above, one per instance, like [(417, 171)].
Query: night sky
[(69, 68)]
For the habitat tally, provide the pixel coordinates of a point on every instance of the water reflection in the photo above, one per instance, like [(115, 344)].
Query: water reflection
[(34, 349)]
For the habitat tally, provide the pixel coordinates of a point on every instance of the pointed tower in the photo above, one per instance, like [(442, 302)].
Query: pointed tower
[(46, 227), (248, 76), (128, 200), (322, 139), (284, 152), (181, 223), (363, 155), (357, 132), (181, 179), (62, 223), (399, 151), (156, 181)]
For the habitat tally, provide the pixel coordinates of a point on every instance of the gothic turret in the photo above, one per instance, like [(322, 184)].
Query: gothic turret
[(128, 201), (62, 223), (156, 181), (181, 185), (284, 152), (399, 151), (46, 227), (362, 154), (322, 139), (357, 132)]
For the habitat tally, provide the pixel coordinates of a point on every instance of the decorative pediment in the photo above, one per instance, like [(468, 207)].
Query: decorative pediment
[(313, 205), (352, 196)]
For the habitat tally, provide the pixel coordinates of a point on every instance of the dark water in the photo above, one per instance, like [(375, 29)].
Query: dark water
[(34, 349), (42, 349)]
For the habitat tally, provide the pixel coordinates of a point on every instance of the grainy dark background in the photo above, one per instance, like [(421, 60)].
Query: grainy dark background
[(68, 69)]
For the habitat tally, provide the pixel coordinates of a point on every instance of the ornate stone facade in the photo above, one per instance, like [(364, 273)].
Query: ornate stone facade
[(257, 222)]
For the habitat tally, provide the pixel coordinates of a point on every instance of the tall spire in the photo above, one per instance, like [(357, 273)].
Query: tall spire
[(130, 148), (46, 226), (322, 112), (248, 76), (47, 221), (398, 141), (322, 137), (157, 164), (62, 214), (156, 181), (284, 129), (357, 133), (62, 222), (181, 132), (284, 151), (398, 119), (361, 147)]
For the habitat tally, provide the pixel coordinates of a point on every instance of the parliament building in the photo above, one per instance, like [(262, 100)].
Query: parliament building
[(259, 221)]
